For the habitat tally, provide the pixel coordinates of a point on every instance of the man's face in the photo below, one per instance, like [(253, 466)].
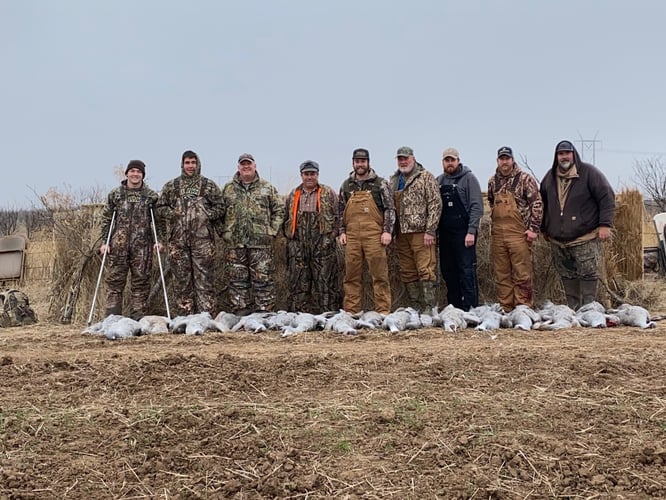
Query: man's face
[(450, 164), (134, 177), (190, 166), (361, 166), (565, 159), (247, 169), (505, 164), (310, 180), (406, 164)]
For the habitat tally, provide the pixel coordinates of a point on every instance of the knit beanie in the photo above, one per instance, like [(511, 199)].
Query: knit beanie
[(136, 164)]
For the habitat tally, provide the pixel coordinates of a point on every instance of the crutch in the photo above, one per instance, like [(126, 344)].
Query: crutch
[(101, 268), (159, 262)]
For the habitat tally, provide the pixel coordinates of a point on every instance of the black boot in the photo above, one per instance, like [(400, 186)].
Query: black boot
[(589, 290), (572, 290)]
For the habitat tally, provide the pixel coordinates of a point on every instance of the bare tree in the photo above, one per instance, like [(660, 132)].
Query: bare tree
[(8, 221), (650, 174)]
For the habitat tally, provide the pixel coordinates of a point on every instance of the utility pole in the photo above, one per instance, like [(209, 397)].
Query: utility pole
[(589, 145)]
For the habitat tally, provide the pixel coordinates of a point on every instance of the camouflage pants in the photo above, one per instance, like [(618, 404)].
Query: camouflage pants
[(312, 272), (138, 263), (193, 268), (579, 261), (249, 272)]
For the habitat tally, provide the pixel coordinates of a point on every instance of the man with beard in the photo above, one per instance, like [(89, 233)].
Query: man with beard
[(418, 207), (516, 210), (311, 227), (192, 205), (462, 208), (579, 208), (255, 213), (368, 217), (130, 248)]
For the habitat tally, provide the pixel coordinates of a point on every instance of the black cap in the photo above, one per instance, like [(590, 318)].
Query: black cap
[(505, 151), (564, 146), (361, 153)]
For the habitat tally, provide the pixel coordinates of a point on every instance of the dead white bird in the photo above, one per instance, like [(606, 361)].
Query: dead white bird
[(193, 324), (225, 321), (123, 328), (522, 317), (370, 319), (453, 319), (591, 317), (397, 320), (99, 327), (152, 324), (342, 322), (255, 323), (280, 319), (556, 317), (634, 316), (489, 316), (414, 321), (302, 322)]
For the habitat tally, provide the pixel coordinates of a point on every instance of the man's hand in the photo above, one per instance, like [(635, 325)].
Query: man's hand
[(469, 240), (343, 239), (604, 233), (428, 240), (386, 239), (530, 236), (104, 249), (157, 247)]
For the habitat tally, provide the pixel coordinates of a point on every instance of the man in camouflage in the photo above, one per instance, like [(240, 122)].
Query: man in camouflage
[(192, 205), (516, 210), (130, 248), (311, 227), (579, 209), (255, 213), (418, 207), (368, 217)]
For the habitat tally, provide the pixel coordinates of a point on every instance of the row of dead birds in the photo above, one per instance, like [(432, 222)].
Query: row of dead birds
[(451, 319)]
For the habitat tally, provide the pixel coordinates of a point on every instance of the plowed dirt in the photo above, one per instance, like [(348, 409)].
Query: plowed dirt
[(424, 414)]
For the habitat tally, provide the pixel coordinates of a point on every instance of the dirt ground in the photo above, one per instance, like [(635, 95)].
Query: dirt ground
[(425, 414)]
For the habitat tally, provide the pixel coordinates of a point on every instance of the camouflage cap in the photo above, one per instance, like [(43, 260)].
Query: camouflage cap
[(361, 153), (309, 166), (404, 151), (245, 156), (450, 153)]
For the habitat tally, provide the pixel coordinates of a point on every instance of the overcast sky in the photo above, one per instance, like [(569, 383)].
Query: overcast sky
[(89, 85)]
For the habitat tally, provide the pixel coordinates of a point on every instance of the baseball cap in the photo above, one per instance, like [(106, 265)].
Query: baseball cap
[(404, 151), (309, 166), (361, 153), (564, 146), (245, 156), (505, 151), (450, 152)]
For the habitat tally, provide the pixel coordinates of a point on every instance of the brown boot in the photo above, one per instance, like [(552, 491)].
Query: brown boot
[(429, 291)]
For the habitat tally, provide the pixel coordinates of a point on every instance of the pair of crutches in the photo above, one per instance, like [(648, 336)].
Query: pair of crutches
[(101, 269)]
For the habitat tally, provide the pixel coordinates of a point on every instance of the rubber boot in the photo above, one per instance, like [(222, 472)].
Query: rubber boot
[(414, 294), (429, 293), (589, 290), (572, 290)]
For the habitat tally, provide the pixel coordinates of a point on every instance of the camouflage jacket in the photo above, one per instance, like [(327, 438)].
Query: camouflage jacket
[(381, 193), (193, 206), (420, 204), (255, 213), (525, 191), (132, 224), (327, 213)]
